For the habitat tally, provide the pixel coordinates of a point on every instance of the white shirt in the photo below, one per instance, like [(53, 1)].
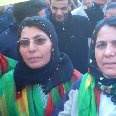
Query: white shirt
[(107, 107)]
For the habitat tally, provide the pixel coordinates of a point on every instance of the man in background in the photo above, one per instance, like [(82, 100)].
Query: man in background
[(72, 31)]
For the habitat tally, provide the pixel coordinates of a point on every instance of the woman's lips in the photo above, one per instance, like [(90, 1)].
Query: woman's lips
[(109, 64), (34, 59)]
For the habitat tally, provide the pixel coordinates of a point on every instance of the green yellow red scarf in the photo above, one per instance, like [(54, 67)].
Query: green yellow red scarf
[(86, 97)]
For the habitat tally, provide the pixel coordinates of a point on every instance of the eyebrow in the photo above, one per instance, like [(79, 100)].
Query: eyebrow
[(102, 41), (36, 36), (59, 7)]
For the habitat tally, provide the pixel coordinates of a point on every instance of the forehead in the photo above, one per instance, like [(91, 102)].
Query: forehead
[(106, 33), (59, 3), (31, 31)]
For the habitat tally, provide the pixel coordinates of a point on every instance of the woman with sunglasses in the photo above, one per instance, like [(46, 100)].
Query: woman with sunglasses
[(95, 93), (41, 76)]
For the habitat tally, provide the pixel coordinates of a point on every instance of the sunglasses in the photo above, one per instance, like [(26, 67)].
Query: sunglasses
[(26, 42)]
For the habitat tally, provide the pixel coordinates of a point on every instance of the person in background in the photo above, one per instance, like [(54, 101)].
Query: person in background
[(110, 10), (95, 93), (73, 5), (103, 3), (6, 17), (42, 75), (73, 32), (77, 3), (90, 10), (8, 39)]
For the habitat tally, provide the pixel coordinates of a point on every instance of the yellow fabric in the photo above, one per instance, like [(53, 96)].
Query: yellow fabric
[(3, 111), (23, 104), (88, 82)]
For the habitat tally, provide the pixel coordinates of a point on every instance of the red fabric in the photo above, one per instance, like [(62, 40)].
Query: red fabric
[(61, 90), (76, 75), (3, 63), (50, 106), (97, 94), (18, 95)]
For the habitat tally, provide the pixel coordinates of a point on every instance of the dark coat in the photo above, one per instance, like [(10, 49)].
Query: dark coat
[(73, 39), (8, 42), (95, 14), (6, 19)]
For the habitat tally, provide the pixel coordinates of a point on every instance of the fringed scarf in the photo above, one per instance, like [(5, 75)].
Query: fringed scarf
[(86, 97), (87, 102)]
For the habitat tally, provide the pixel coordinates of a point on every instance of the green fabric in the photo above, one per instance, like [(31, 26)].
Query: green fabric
[(86, 97), (8, 105), (30, 101), (11, 63), (37, 101), (0, 73), (55, 96), (67, 86), (55, 93)]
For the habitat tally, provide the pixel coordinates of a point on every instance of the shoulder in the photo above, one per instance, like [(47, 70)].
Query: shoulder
[(67, 105), (79, 18), (7, 78), (81, 23), (76, 75)]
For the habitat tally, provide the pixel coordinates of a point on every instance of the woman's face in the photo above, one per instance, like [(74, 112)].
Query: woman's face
[(35, 47), (105, 51)]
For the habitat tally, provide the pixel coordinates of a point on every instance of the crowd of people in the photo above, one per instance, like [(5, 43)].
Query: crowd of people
[(58, 58)]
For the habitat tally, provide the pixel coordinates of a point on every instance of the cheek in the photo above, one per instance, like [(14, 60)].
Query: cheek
[(47, 51), (23, 53), (99, 57)]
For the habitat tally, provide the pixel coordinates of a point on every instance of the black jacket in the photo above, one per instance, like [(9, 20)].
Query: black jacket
[(8, 42), (73, 39), (6, 19), (95, 14)]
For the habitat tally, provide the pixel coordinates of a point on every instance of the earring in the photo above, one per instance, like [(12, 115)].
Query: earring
[(52, 49)]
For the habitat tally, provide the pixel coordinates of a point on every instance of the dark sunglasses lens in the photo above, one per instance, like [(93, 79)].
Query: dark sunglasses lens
[(39, 41), (24, 43)]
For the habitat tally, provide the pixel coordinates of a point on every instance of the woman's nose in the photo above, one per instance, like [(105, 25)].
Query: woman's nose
[(32, 46), (109, 51)]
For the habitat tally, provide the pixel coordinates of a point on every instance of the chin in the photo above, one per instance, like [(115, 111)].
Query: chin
[(59, 20), (111, 75), (36, 65)]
